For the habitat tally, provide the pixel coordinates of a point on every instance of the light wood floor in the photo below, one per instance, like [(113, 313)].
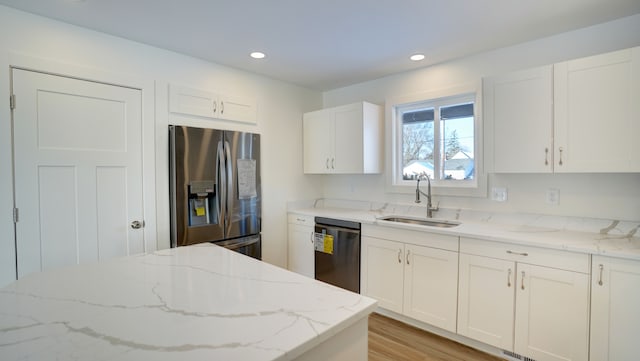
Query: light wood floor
[(391, 340)]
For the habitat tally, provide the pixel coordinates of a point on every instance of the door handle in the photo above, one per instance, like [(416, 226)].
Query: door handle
[(137, 224), (408, 252)]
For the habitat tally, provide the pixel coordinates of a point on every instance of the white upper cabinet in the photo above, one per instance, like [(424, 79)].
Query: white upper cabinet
[(345, 139), (578, 116), (597, 113), (203, 103), (519, 113)]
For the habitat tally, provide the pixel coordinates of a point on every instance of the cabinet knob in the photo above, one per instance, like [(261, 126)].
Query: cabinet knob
[(137, 224)]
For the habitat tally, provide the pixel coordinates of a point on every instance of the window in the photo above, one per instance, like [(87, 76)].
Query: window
[(438, 138)]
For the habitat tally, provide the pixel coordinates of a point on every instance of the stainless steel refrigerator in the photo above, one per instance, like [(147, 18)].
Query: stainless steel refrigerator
[(215, 190)]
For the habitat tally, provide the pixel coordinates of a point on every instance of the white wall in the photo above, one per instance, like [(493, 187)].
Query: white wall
[(280, 108), (614, 196)]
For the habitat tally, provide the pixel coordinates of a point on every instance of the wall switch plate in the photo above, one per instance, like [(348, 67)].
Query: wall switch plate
[(553, 196), (499, 194)]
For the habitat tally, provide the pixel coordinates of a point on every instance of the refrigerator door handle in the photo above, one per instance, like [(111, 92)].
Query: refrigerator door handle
[(222, 184), (228, 181)]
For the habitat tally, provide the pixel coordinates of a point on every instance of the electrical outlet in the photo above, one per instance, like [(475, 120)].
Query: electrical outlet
[(553, 196), (499, 194)]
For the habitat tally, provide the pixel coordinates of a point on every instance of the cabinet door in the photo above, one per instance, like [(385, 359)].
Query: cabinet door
[(301, 252), (551, 314), (430, 286), (191, 101), (240, 109), (615, 320), (519, 115), (318, 141), (596, 113), (382, 272), (486, 300), (348, 139)]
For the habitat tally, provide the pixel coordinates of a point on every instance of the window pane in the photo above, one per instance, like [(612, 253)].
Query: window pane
[(457, 130), (417, 143)]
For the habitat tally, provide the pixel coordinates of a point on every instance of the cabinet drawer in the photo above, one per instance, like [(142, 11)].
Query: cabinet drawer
[(577, 262), (301, 219), (420, 238)]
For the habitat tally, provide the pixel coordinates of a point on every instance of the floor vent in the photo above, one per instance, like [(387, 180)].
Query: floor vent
[(512, 356)]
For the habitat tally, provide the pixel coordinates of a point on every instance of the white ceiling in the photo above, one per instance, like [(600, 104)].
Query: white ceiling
[(327, 44)]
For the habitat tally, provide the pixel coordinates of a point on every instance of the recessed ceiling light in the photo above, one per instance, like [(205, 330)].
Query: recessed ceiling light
[(257, 55), (417, 57)]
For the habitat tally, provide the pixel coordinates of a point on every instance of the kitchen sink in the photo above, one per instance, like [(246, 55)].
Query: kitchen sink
[(421, 221)]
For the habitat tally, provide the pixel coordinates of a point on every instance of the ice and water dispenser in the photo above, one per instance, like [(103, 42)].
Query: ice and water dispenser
[(201, 203)]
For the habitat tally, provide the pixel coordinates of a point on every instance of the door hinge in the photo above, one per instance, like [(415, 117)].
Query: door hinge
[(12, 101), (16, 215)]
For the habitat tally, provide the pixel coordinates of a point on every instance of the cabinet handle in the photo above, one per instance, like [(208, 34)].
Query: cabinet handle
[(408, 252), (215, 106), (560, 161), (399, 254), (509, 278), (522, 282), (301, 220), (326, 165), (311, 236), (518, 253), (601, 269), (221, 107), (333, 163), (546, 156)]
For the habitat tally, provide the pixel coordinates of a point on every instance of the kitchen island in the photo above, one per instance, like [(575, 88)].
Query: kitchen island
[(201, 302)]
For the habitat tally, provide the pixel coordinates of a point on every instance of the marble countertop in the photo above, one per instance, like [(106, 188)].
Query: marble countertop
[(200, 302), (584, 235)]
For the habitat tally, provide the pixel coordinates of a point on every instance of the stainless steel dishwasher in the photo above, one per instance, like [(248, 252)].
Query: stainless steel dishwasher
[(337, 253)]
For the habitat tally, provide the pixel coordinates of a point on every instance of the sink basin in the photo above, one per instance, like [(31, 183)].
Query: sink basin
[(421, 221)]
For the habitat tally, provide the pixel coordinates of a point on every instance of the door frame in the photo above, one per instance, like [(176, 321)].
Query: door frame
[(147, 88)]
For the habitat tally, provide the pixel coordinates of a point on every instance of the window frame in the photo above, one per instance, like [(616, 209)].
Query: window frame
[(449, 96)]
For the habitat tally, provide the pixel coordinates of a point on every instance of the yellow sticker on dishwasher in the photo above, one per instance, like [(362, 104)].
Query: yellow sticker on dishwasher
[(328, 244)]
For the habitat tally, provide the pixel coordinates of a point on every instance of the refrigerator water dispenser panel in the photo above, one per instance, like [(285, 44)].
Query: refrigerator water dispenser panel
[(201, 199)]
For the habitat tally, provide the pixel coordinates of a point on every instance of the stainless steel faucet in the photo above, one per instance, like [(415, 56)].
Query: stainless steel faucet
[(430, 208)]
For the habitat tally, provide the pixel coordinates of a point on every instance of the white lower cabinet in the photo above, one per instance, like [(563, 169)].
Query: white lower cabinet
[(530, 301), (300, 255), (615, 319), (418, 281), (382, 272), (430, 285), (486, 300)]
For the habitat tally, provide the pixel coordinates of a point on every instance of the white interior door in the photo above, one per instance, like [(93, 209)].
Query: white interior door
[(78, 170)]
